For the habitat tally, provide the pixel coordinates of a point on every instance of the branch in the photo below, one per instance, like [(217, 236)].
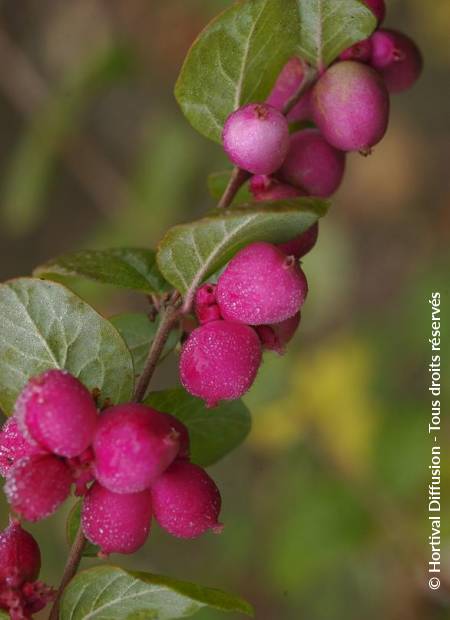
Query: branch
[(307, 82), (168, 320), (73, 562), (237, 179)]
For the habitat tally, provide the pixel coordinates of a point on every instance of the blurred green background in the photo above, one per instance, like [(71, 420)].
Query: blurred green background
[(325, 506)]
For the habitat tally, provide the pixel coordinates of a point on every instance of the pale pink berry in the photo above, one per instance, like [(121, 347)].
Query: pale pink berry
[(397, 58), (378, 8), (57, 412), (302, 244), (219, 361), (116, 522), (186, 501), (360, 51), (275, 337), (261, 285), (266, 188), (351, 106), (37, 485), (20, 557), (14, 446), (133, 445), (287, 84), (256, 138), (205, 304), (312, 164)]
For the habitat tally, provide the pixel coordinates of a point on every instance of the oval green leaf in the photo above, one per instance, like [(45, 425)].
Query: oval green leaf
[(189, 253), (138, 332), (109, 592), (235, 60), (327, 27), (133, 268), (213, 432), (72, 526), (44, 325)]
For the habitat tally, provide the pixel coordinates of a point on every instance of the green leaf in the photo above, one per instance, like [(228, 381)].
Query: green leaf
[(44, 325), (109, 592), (72, 526), (327, 27), (138, 332), (236, 60), (4, 615), (189, 253), (213, 432), (133, 268), (217, 184)]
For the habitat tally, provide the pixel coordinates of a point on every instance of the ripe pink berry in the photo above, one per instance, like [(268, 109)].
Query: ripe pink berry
[(378, 8), (219, 361), (312, 164), (14, 446), (186, 501), (351, 106), (268, 188), (397, 58), (20, 556), (37, 485), (183, 436), (275, 337), (133, 445), (116, 522), (301, 245), (205, 304), (287, 84), (256, 138), (360, 51), (57, 412), (261, 285)]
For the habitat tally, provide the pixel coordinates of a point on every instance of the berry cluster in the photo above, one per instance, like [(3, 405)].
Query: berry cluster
[(254, 306), (348, 106), (21, 594), (130, 462), (256, 302)]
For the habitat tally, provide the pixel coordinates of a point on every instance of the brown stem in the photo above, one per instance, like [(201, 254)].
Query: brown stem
[(310, 77), (168, 320), (237, 179), (72, 564)]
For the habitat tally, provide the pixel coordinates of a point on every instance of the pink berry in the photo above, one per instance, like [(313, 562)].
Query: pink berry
[(37, 485), (312, 164), (116, 522), (360, 51), (261, 285), (205, 304), (287, 84), (275, 337), (14, 446), (378, 8), (301, 245), (133, 445), (397, 58), (219, 361), (186, 501), (57, 412), (351, 106), (256, 138), (20, 556), (268, 188), (183, 436)]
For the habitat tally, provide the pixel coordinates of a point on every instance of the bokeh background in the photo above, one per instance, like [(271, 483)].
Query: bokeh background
[(325, 505)]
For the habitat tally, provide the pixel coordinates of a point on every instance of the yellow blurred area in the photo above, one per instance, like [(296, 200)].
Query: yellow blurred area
[(328, 395)]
